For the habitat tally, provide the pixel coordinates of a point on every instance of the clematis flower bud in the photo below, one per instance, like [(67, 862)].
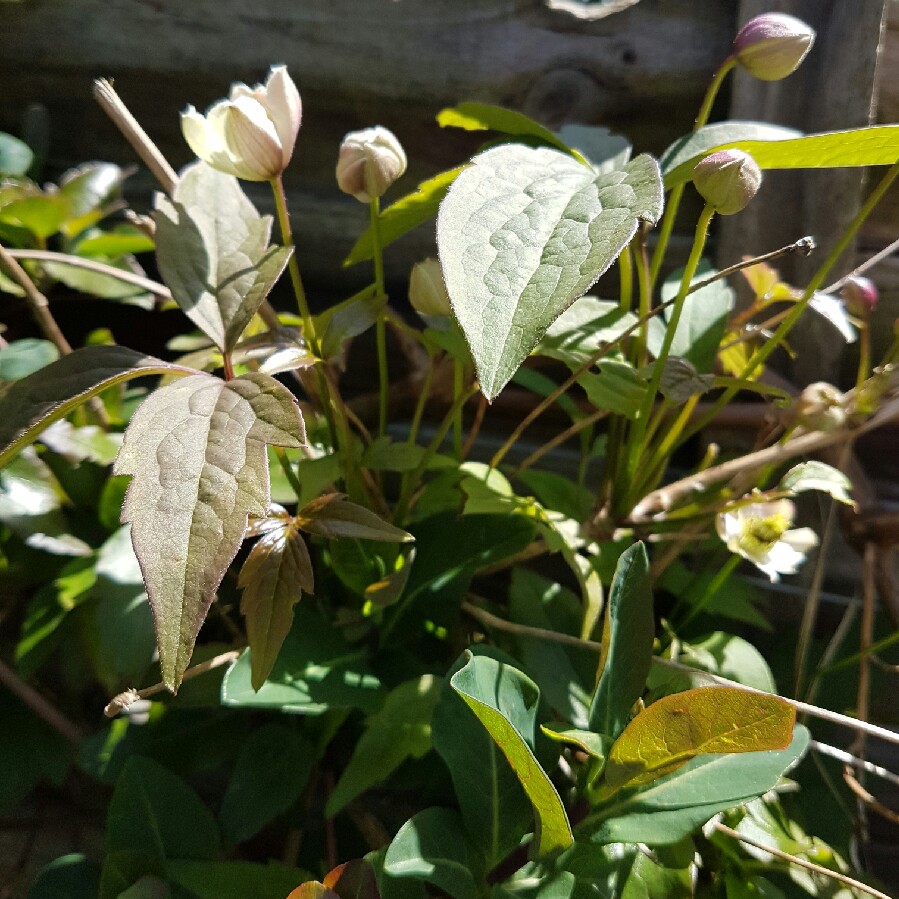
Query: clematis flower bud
[(772, 46), (252, 133), (427, 290), (821, 407), (860, 296), (369, 162), (727, 180)]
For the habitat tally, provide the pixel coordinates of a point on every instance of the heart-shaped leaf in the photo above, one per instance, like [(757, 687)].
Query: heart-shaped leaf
[(212, 247), (196, 450), (276, 573), (522, 234)]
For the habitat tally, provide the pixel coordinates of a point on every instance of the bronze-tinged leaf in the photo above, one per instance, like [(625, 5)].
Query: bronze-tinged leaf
[(33, 403), (312, 889), (276, 573), (333, 516), (196, 450), (679, 727)]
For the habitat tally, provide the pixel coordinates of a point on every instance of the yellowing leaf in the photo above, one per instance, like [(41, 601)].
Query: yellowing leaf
[(196, 450), (677, 728)]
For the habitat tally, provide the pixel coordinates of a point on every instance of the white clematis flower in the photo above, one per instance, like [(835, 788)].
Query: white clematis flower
[(252, 133), (761, 533)]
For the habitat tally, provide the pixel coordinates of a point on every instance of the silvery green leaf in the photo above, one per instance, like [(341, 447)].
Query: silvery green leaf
[(212, 247), (196, 450), (818, 476), (522, 234)]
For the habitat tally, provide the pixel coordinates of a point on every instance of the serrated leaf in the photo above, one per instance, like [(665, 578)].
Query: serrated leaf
[(196, 450), (669, 808), (335, 517), (407, 213), (677, 728), (505, 702), (400, 730), (212, 247), (817, 476), (33, 403), (522, 234), (474, 116), (627, 636), (878, 145), (276, 573)]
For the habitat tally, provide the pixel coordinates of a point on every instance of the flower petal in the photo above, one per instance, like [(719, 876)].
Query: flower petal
[(284, 107), (199, 135), (251, 140)]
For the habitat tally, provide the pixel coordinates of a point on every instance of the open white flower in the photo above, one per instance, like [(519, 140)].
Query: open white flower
[(252, 133), (761, 533)]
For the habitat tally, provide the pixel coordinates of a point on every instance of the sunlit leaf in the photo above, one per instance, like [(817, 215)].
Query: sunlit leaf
[(522, 234), (473, 116), (335, 517), (21, 358), (670, 732), (505, 702), (816, 475), (196, 450), (213, 251)]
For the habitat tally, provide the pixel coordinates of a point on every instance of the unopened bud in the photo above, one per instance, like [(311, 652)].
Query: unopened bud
[(427, 290), (860, 296), (821, 407), (727, 180), (772, 46), (370, 161)]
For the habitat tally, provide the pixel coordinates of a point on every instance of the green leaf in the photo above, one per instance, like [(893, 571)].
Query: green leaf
[(585, 740), (154, 812), (133, 874), (196, 450), (334, 517), (583, 328), (680, 380), (71, 876), (627, 638), (617, 386), (90, 188), (276, 573), (385, 454), (212, 247), (33, 403), (522, 234), (432, 846), (42, 213), (106, 287), (271, 771), (122, 240), (400, 730), (603, 149), (669, 808), (679, 727), (731, 657), (316, 670), (347, 320), (473, 116), (87, 443), (495, 809), (15, 155), (235, 880), (878, 145), (407, 213), (703, 319), (817, 476), (505, 702), (24, 357)]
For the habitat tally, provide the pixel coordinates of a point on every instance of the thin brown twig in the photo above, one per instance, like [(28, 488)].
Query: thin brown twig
[(42, 707), (865, 796), (800, 862)]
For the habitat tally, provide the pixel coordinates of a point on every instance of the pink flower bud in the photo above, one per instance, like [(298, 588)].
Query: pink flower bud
[(727, 180), (369, 162), (772, 46), (860, 296)]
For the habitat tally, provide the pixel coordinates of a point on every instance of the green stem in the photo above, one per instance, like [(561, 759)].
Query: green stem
[(286, 467), (864, 352), (626, 278), (639, 430), (767, 348), (644, 280), (458, 377), (727, 569), (381, 325)]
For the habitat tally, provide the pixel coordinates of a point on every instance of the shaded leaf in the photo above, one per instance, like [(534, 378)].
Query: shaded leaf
[(76, 445), (669, 808), (212, 247), (196, 450), (15, 155), (677, 728), (407, 213), (269, 775), (583, 328), (33, 403), (680, 380), (817, 476), (433, 846), (627, 637), (21, 358), (505, 702), (71, 876), (347, 320), (234, 880), (276, 573), (522, 234), (602, 148), (353, 880), (335, 517), (400, 730), (616, 386)]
